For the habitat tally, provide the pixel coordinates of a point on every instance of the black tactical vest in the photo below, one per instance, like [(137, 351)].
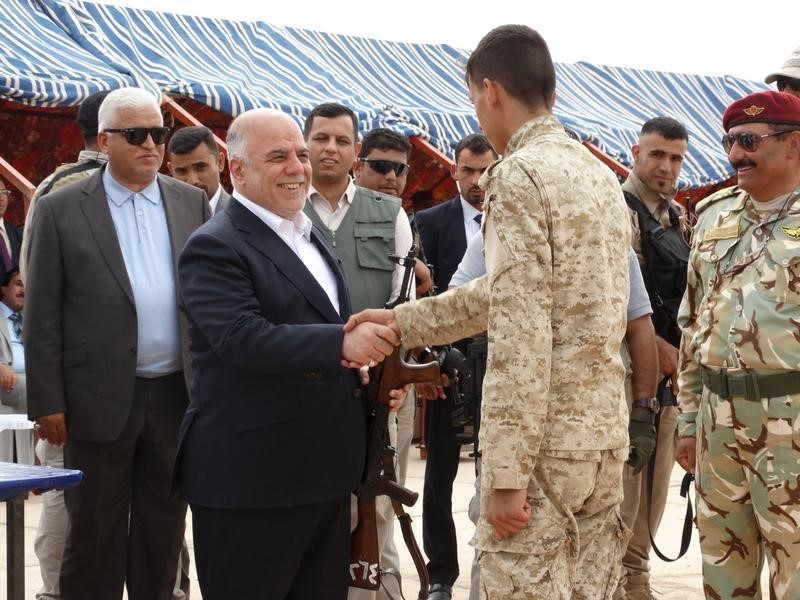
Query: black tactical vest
[(666, 256)]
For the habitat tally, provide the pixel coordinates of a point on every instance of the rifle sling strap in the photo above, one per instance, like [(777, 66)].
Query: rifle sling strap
[(686, 535)]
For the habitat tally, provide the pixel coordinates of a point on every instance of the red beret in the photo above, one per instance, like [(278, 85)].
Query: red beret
[(763, 107)]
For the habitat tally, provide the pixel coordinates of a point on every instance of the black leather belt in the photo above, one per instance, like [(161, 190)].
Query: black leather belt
[(750, 385)]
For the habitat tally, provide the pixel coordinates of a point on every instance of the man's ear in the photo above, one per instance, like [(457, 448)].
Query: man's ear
[(102, 142), (220, 161), (491, 91), (635, 151), (235, 166), (794, 143), (453, 170), (169, 166)]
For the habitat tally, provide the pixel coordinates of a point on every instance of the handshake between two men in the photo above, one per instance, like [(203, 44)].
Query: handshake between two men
[(373, 334)]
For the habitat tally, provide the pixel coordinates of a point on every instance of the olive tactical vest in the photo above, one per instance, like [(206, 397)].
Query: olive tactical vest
[(363, 242)]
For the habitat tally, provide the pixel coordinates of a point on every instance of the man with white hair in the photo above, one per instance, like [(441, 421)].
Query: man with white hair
[(106, 353)]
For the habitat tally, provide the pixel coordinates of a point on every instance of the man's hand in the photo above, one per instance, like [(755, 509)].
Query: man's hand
[(381, 316), (397, 397), (8, 379), (685, 453), (668, 361), (367, 343), (508, 511), (423, 276), (433, 390), (643, 442), (52, 428)]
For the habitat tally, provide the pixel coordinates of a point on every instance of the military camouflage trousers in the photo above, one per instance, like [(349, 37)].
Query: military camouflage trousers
[(748, 495), (579, 535)]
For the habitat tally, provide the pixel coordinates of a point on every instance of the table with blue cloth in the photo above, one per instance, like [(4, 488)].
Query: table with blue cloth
[(16, 481)]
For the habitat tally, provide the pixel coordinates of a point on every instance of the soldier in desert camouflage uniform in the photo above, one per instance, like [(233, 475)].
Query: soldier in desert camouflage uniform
[(554, 420), (740, 357)]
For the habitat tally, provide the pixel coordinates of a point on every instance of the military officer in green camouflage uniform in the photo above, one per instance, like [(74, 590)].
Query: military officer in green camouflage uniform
[(740, 357), (554, 421)]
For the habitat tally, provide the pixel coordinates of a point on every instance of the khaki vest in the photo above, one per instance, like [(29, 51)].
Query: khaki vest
[(363, 242)]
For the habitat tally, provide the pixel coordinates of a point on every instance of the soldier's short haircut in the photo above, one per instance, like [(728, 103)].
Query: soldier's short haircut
[(516, 57), (329, 110), (475, 143), (666, 127), (186, 139), (384, 139), (87, 115)]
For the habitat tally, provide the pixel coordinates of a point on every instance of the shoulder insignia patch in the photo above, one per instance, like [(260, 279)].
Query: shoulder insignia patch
[(791, 232), (725, 232)]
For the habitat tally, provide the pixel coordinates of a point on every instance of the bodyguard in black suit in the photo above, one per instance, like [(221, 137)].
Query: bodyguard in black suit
[(444, 231), (273, 441)]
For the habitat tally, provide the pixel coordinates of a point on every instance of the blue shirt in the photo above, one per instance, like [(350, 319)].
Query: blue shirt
[(141, 226), (17, 352), (473, 265)]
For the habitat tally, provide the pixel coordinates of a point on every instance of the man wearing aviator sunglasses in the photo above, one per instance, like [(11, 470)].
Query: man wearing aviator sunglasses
[(739, 380), (107, 353), (382, 163), (788, 78)]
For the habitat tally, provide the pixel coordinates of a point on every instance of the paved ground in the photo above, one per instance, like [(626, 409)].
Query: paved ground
[(680, 580)]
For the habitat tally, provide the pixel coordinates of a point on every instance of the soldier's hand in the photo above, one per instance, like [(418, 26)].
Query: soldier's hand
[(643, 441), (508, 511), (668, 361), (423, 277), (685, 453)]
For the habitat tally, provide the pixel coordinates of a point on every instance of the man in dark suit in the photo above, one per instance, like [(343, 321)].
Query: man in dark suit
[(195, 158), (444, 231), (106, 356), (274, 439), (10, 235)]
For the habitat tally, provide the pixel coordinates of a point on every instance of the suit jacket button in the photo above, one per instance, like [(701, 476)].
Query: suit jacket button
[(357, 393), (132, 351)]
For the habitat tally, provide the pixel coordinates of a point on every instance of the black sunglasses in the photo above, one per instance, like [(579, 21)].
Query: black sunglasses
[(747, 141), (136, 136), (787, 82), (384, 166)]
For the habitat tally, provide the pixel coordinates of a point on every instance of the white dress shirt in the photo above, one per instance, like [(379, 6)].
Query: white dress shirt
[(296, 234)]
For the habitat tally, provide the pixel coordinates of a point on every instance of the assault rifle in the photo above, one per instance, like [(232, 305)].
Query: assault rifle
[(379, 475)]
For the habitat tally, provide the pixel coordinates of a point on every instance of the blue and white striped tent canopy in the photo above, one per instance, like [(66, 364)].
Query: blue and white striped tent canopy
[(40, 65), (59, 51)]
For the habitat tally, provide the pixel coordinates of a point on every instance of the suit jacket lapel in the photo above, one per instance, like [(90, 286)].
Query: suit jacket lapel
[(179, 224), (456, 223), (261, 237), (95, 208), (5, 334)]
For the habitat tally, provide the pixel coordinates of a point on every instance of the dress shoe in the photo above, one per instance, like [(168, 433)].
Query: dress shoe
[(440, 591)]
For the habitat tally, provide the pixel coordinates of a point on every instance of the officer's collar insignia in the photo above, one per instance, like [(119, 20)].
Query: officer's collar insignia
[(791, 232), (725, 232), (753, 110)]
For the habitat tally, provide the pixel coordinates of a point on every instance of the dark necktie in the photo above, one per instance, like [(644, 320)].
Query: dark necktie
[(4, 255), (477, 218), (16, 323)]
